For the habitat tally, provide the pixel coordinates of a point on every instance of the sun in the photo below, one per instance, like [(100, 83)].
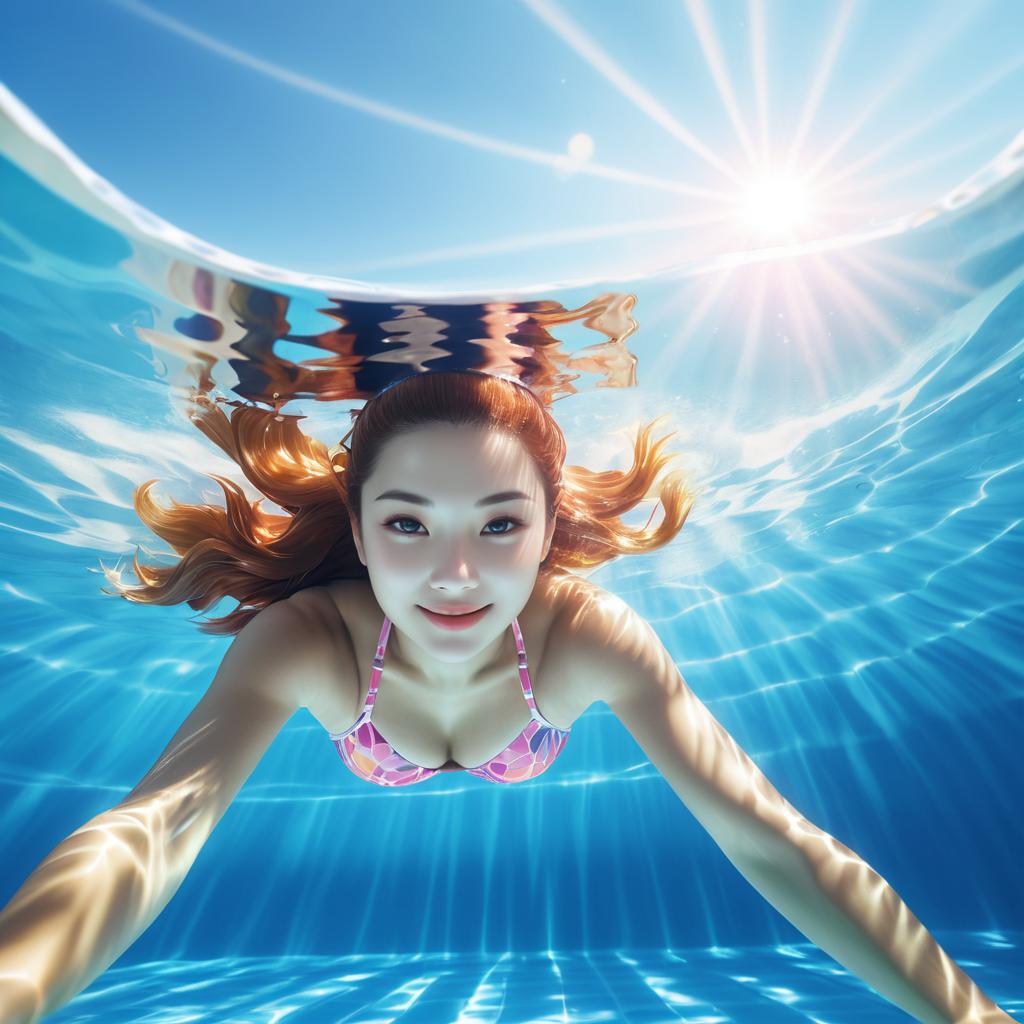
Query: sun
[(776, 205)]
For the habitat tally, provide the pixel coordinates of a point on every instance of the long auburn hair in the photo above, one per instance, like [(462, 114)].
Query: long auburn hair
[(258, 557)]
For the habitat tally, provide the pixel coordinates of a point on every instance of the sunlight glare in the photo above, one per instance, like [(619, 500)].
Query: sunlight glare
[(775, 205)]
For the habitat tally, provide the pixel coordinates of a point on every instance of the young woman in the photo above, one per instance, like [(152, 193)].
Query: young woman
[(416, 577)]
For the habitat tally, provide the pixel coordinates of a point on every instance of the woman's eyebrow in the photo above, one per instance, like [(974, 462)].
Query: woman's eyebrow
[(418, 499)]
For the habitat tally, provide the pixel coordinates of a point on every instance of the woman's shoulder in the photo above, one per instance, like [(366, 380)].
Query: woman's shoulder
[(337, 592), (581, 607), (336, 604), (316, 615), (593, 631), (319, 605)]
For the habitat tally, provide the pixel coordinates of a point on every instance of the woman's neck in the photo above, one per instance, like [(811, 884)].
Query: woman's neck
[(417, 666)]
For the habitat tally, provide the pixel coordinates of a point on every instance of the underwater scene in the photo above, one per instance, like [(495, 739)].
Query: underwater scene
[(845, 598)]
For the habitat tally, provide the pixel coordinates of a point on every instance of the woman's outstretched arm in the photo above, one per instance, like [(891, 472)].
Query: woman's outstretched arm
[(100, 888), (848, 909), (829, 893)]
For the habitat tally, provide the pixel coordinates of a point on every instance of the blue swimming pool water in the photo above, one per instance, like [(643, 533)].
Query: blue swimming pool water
[(846, 598)]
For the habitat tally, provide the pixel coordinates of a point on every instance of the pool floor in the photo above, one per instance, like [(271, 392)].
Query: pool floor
[(753, 985)]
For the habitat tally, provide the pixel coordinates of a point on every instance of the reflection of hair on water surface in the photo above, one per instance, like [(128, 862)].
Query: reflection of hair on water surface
[(239, 328)]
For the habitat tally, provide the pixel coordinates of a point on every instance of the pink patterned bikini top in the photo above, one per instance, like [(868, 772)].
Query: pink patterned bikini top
[(370, 756)]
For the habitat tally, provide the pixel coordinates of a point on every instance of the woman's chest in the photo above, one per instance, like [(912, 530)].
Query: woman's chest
[(436, 726), (466, 730)]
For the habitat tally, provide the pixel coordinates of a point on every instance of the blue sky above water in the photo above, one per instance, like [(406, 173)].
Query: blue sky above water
[(427, 143)]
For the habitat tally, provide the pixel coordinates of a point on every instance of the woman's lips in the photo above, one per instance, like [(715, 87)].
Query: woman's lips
[(463, 621)]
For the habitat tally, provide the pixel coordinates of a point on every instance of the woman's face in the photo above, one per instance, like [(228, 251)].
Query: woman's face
[(453, 516)]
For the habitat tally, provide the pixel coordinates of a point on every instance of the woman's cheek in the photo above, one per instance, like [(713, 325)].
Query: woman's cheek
[(398, 557)]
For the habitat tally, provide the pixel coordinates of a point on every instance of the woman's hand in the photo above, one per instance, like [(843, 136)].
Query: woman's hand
[(996, 1016)]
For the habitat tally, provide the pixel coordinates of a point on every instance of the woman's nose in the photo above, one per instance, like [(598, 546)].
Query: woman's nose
[(454, 568)]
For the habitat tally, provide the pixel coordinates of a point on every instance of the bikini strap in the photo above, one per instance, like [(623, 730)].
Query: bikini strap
[(378, 664), (524, 671)]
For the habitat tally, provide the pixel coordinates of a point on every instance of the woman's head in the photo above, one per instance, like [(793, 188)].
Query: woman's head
[(452, 488), (451, 437)]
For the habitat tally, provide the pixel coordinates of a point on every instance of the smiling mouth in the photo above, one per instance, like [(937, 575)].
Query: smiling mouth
[(454, 614), (450, 622)]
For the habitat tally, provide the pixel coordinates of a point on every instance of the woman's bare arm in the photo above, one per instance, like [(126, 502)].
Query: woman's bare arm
[(836, 899), (100, 888)]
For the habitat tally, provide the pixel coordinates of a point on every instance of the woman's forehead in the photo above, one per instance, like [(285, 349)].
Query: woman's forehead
[(439, 440), (454, 454)]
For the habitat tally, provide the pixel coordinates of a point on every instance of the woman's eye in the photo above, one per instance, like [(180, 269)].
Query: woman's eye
[(506, 519), (395, 524), (402, 519)]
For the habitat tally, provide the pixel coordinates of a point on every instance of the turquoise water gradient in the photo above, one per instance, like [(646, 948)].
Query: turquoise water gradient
[(846, 598)]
